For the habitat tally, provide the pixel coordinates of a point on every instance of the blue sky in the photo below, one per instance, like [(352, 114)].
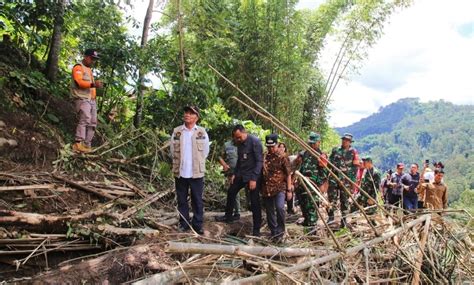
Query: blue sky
[(427, 51)]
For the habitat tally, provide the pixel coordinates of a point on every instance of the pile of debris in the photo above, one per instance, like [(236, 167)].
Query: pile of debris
[(57, 228)]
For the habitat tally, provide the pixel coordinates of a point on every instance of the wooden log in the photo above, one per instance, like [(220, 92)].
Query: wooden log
[(219, 249), (349, 252), (84, 188), (27, 187), (14, 217)]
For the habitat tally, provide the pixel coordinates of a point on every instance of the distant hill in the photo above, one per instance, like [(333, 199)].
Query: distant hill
[(410, 131), (384, 120)]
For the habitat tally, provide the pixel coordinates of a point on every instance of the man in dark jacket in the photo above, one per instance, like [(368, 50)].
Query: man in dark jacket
[(247, 173), (410, 183)]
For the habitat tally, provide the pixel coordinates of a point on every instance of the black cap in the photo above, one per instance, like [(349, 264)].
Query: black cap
[(193, 109), (92, 53), (271, 140)]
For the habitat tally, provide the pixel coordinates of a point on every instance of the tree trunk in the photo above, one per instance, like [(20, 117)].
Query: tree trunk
[(53, 55), (141, 73)]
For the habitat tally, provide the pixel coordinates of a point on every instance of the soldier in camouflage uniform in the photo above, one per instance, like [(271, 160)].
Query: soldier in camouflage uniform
[(346, 159), (371, 179), (314, 169), (276, 183)]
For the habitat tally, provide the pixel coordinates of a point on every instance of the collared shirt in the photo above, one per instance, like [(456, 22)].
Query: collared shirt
[(250, 159), (186, 170), (435, 194), (276, 169)]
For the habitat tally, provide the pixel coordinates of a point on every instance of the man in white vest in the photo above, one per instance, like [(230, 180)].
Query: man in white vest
[(189, 148)]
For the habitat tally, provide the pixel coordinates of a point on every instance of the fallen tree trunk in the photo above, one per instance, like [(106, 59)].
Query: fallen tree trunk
[(219, 249), (14, 217), (349, 252)]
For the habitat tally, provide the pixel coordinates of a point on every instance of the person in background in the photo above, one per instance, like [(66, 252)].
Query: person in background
[(228, 161), (247, 173), (276, 186), (83, 90), (396, 187), (346, 159), (190, 148), (315, 169), (385, 190), (290, 203), (435, 193), (370, 182), (410, 183)]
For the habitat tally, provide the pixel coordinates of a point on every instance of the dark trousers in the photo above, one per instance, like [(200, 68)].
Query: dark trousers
[(410, 202), (290, 204), (275, 207), (255, 206), (182, 191), (394, 199)]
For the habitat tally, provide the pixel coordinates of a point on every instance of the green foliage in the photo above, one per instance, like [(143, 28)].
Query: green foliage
[(421, 131)]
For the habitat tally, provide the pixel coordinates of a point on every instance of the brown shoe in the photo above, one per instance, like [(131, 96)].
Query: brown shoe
[(81, 148)]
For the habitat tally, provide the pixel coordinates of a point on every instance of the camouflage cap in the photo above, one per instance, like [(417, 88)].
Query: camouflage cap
[(367, 158), (271, 140), (314, 137), (348, 136)]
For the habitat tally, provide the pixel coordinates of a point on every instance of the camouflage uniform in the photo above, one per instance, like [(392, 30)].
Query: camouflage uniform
[(312, 169), (371, 180), (342, 159)]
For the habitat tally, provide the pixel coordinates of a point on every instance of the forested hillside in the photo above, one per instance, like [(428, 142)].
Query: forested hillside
[(411, 131), (107, 205)]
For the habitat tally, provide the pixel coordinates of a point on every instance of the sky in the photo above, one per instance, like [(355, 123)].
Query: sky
[(427, 51)]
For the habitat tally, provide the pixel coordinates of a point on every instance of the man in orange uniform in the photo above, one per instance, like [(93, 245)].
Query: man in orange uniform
[(83, 90)]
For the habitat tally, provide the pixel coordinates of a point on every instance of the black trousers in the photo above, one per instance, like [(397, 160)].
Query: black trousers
[(255, 206), (183, 185)]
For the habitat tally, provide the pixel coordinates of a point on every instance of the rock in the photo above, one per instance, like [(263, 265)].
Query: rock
[(2, 125)]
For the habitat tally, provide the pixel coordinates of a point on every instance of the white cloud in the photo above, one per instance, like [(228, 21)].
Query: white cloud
[(422, 54)]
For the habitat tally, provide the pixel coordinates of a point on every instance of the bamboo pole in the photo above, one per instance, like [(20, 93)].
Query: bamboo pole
[(277, 123), (219, 249), (99, 193), (333, 237), (315, 154), (349, 252), (419, 257)]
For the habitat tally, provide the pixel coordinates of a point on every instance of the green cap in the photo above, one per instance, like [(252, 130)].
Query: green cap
[(348, 136), (367, 158), (314, 137)]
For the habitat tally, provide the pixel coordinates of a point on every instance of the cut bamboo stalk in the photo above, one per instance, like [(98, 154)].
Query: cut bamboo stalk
[(419, 257), (219, 249), (349, 252), (282, 127), (84, 188), (27, 187)]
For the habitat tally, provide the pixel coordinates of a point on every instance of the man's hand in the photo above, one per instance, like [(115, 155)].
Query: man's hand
[(226, 167), (98, 84), (232, 178), (289, 195), (252, 185)]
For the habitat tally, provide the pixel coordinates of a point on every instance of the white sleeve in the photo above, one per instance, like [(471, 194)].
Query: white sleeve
[(206, 145)]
